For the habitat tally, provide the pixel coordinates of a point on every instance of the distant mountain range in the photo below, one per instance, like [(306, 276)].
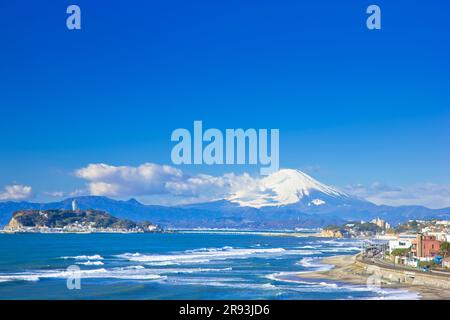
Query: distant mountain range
[(285, 199)]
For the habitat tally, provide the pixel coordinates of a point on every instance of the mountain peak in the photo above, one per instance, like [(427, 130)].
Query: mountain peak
[(286, 186), (133, 201), (298, 181)]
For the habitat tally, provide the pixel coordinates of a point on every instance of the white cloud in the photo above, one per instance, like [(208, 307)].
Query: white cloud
[(55, 194), (145, 179), (151, 179), (63, 194), (430, 195), (16, 192)]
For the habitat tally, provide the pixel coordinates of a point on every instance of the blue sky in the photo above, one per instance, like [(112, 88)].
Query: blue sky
[(353, 106)]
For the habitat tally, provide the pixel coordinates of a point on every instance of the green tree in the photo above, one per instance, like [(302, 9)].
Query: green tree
[(332, 227), (400, 252), (426, 264), (445, 249)]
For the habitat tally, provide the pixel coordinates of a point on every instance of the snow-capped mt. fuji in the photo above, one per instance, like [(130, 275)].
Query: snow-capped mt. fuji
[(286, 187)]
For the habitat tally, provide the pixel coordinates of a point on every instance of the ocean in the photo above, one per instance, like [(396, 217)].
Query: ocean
[(185, 265)]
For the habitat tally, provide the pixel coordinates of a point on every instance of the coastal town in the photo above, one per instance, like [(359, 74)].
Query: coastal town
[(422, 245)]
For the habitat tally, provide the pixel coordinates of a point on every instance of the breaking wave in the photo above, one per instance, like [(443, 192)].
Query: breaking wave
[(314, 265), (202, 255), (90, 263), (115, 273), (85, 257)]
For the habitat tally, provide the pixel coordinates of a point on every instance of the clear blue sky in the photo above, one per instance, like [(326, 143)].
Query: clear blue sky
[(359, 105)]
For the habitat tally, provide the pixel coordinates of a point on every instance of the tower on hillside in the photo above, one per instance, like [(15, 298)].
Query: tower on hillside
[(74, 205)]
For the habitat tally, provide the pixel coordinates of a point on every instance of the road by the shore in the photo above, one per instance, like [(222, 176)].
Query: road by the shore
[(347, 270)]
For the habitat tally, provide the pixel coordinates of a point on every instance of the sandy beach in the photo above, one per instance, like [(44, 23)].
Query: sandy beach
[(347, 269)]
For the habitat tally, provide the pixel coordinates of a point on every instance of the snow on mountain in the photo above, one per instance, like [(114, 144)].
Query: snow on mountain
[(286, 186), (317, 202)]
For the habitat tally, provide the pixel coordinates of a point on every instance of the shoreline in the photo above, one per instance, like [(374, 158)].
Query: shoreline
[(80, 232), (348, 269)]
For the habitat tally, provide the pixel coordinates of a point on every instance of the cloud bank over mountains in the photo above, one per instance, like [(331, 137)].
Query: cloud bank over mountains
[(168, 185), (151, 179), (16, 192)]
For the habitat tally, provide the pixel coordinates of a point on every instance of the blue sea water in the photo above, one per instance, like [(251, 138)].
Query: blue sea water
[(188, 265)]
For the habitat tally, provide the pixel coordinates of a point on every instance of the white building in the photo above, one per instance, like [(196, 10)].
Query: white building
[(446, 263), (407, 236), (407, 261), (381, 223), (74, 205), (386, 237), (399, 244), (440, 236)]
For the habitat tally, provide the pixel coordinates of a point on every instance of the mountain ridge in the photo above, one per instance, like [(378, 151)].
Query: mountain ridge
[(286, 199), (225, 214)]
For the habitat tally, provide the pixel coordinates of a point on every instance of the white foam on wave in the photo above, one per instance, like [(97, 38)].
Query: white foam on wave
[(302, 285), (283, 276), (205, 255), (292, 277), (85, 257), (304, 252), (133, 268), (91, 263), (395, 294), (291, 283), (310, 247), (313, 265), (383, 293), (210, 249), (134, 273), (189, 270), (162, 263), (232, 283), (19, 277)]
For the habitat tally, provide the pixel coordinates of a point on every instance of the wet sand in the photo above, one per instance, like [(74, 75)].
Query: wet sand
[(346, 270)]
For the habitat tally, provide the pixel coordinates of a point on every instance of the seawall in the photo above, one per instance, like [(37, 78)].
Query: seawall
[(408, 277)]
